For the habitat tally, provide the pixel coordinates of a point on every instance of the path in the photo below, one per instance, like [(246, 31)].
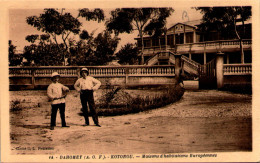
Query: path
[(201, 121)]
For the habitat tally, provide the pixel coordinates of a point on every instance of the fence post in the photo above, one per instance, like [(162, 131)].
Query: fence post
[(78, 72), (33, 78), (219, 69), (126, 75)]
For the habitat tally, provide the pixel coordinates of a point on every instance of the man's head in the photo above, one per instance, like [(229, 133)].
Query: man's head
[(84, 72), (55, 77)]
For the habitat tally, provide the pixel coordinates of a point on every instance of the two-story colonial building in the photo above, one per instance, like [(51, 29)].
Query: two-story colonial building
[(218, 58), (201, 47)]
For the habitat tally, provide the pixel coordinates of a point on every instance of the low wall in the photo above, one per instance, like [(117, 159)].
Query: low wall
[(233, 75), (127, 76), (237, 79), (230, 81), (238, 84), (238, 76)]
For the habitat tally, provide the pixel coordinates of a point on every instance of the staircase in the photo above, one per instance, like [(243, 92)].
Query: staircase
[(153, 60), (188, 65)]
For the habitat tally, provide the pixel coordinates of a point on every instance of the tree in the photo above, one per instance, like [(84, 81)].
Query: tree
[(225, 19), (14, 59), (82, 49), (94, 50), (31, 38), (105, 47), (130, 19), (127, 54), (42, 51), (61, 25)]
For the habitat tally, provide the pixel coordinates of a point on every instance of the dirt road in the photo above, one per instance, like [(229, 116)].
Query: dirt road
[(201, 121)]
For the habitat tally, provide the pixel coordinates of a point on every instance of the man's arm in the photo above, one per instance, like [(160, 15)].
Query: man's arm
[(64, 88), (97, 84), (76, 85), (49, 93)]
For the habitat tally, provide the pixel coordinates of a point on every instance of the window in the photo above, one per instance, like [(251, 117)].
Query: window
[(179, 38), (147, 43), (170, 40), (162, 41), (189, 37), (155, 42)]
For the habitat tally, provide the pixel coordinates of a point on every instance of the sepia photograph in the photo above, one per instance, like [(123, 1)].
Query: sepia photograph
[(130, 82)]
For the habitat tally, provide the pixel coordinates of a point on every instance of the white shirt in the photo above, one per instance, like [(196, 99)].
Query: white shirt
[(89, 83), (54, 90)]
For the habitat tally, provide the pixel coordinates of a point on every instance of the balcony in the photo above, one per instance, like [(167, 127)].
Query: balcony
[(150, 51), (201, 47), (214, 46)]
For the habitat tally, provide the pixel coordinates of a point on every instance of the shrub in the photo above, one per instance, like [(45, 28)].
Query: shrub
[(19, 104), (15, 105), (120, 102)]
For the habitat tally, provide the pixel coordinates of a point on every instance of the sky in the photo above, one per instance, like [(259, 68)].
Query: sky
[(19, 29)]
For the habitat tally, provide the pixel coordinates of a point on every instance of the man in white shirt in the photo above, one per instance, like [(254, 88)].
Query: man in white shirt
[(86, 85), (55, 93)]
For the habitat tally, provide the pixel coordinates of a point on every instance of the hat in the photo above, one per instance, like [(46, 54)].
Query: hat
[(83, 69), (55, 74)]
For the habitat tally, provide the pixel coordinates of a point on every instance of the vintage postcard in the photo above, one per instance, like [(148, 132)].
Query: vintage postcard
[(130, 81)]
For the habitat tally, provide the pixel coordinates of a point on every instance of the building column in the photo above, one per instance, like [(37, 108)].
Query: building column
[(177, 66), (184, 38), (242, 57), (190, 55), (174, 40), (219, 70), (205, 58), (194, 37)]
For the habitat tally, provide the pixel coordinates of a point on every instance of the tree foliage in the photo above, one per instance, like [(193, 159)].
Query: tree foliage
[(141, 19), (128, 54), (14, 59), (60, 26), (55, 23), (43, 52), (96, 14), (82, 50), (105, 47), (157, 26), (84, 35), (31, 38), (225, 19), (95, 50)]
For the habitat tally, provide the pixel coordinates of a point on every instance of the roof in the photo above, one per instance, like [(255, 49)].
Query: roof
[(193, 23)]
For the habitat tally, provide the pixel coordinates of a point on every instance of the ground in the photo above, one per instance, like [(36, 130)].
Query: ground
[(202, 121)]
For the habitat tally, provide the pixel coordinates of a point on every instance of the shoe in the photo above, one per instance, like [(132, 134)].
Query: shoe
[(65, 126), (52, 128), (98, 125)]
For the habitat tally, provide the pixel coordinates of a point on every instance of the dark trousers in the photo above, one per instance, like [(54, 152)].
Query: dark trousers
[(54, 109), (86, 97)]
